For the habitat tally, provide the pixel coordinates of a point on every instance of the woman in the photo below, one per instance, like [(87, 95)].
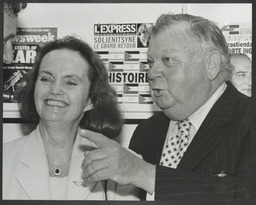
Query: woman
[(68, 89)]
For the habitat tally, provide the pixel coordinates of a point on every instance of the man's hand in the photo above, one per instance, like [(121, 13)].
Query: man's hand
[(109, 160)]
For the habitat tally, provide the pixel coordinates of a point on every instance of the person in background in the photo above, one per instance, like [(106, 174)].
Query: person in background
[(242, 73), (199, 147), (143, 34), (11, 11), (67, 89)]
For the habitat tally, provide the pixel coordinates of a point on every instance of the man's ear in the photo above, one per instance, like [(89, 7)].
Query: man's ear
[(213, 62)]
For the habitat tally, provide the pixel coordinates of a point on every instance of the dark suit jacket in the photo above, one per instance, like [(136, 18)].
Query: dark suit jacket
[(216, 165)]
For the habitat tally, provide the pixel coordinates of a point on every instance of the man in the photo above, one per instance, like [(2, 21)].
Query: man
[(11, 11), (198, 147), (242, 73), (143, 36)]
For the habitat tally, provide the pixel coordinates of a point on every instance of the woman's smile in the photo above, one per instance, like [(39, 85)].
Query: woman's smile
[(55, 103)]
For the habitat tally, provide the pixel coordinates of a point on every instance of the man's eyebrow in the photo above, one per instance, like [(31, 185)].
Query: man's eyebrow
[(239, 72), (10, 36)]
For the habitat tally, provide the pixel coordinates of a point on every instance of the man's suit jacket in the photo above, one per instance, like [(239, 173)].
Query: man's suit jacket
[(26, 175), (216, 165)]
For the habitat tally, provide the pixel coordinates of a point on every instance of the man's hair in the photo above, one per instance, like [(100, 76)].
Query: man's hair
[(205, 34), (12, 9), (106, 117)]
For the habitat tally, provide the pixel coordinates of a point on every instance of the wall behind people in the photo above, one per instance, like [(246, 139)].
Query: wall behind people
[(80, 20), (228, 12), (235, 22)]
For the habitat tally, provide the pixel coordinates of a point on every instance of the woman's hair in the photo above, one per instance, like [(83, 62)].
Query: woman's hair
[(204, 34), (106, 117)]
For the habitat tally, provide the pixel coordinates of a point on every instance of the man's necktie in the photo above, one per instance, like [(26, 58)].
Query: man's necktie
[(176, 145)]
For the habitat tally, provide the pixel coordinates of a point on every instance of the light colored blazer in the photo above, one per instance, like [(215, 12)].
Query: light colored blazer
[(26, 176)]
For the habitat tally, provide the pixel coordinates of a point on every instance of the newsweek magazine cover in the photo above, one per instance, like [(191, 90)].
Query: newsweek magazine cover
[(26, 45)]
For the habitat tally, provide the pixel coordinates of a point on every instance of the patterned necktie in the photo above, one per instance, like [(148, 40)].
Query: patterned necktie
[(176, 146)]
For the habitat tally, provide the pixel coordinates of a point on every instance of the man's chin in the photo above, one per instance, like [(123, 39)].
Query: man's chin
[(174, 114), (170, 114), (164, 103), (247, 92), (163, 107)]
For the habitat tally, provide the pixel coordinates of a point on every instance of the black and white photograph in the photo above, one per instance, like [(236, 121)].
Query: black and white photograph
[(129, 102)]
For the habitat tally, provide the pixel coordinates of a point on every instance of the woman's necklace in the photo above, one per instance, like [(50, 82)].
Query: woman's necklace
[(59, 170), (58, 159)]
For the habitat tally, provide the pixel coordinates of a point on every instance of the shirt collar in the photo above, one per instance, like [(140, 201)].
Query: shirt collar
[(198, 116)]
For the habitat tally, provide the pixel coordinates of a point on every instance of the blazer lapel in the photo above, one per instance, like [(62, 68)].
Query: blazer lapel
[(160, 134), (32, 172), (77, 187), (210, 132)]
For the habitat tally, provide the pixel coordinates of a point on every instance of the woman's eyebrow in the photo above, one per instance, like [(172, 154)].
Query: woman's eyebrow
[(73, 76), (45, 71)]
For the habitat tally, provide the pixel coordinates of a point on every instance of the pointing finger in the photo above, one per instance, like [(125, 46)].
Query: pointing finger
[(98, 139)]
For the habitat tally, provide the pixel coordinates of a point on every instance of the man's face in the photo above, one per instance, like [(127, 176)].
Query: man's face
[(178, 79), (242, 75), (10, 27)]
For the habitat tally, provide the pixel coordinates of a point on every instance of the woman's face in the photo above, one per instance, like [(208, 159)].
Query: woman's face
[(62, 86)]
